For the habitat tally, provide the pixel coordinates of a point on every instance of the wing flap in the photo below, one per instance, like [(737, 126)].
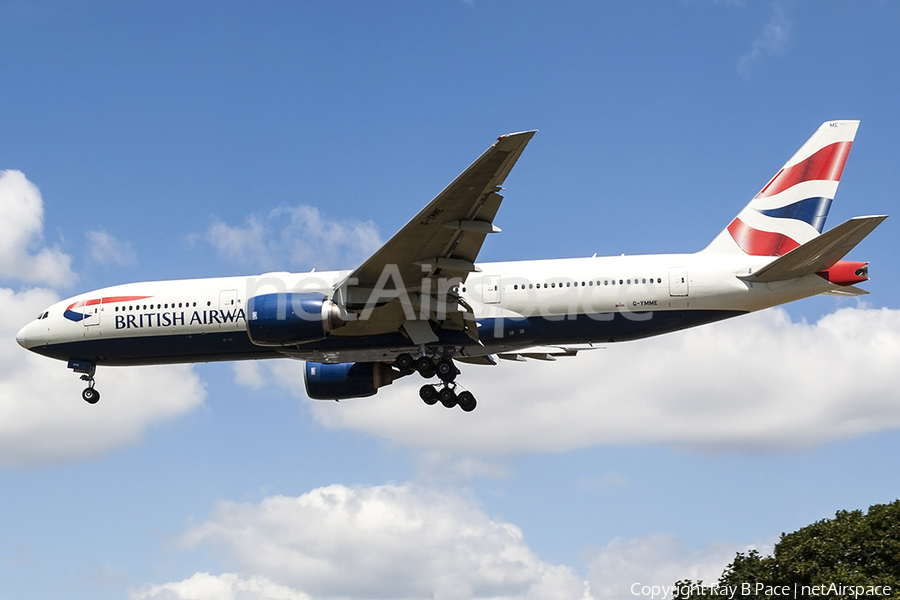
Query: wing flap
[(547, 353)]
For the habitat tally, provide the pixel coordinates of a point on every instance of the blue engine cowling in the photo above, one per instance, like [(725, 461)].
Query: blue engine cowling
[(346, 380), (290, 318)]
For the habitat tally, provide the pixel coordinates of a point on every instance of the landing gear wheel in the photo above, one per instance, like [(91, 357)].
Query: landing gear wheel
[(446, 370), (466, 401), (428, 394), (424, 366), (405, 363), (90, 395), (448, 397)]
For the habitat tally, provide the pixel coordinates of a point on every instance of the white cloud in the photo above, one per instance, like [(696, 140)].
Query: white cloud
[(774, 39), (106, 249), (295, 237), (228, 586), (247, 373), (758, 383), (379, 542), (21, 258), (403, 542), (42, 417), (655, 560)]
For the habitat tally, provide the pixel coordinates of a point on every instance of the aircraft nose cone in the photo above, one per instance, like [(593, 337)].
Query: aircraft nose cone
[(21, 337)]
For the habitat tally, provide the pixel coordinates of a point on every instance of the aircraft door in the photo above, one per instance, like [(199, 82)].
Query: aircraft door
[(678, 282), (490, 289), (228, 309), (91, 313)]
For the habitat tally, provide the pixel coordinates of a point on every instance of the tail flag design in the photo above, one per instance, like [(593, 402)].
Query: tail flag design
[(791, 209)]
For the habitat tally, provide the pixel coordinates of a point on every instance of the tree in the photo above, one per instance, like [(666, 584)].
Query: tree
[(853, 555)]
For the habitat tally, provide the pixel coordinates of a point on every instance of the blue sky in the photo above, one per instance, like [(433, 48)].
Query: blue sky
[(170, 140)]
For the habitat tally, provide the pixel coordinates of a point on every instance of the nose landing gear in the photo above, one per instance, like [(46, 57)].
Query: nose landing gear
[(446, 371), (87, 368)]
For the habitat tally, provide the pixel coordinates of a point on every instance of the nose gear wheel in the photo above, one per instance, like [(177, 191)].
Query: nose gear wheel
[(90, 395), (87, 368)]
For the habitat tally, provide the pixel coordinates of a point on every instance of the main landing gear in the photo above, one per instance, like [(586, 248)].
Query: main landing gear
[(445, 392), (87, 368)]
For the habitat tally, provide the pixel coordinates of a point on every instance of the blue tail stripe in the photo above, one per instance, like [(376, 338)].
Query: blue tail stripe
[(810, 210)]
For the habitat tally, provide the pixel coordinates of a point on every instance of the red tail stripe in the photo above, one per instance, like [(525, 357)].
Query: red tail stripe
[(757, 242), (825, 165)]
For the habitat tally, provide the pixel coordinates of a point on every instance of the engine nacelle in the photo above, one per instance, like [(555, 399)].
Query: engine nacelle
[(285, 319), (346, 380), (845, 272)]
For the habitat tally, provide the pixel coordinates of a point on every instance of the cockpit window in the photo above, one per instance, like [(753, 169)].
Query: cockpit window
[(43, 315)]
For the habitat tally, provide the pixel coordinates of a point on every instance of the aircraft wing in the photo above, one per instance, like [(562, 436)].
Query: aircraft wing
[(443, 240)]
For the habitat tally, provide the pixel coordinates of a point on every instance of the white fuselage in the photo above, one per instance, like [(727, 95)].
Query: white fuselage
[(516, 304)]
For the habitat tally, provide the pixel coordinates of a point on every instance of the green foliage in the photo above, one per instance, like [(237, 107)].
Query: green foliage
[(852, 549)]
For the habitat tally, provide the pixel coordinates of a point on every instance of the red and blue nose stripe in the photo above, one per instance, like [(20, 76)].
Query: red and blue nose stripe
[(73, 315)]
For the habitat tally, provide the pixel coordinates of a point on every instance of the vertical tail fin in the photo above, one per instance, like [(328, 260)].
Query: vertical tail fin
[(791, 209)]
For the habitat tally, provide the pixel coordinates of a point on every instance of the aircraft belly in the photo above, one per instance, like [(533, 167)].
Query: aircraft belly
[(496, 335)]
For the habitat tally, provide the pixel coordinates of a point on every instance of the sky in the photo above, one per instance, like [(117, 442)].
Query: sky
[(165, 140)]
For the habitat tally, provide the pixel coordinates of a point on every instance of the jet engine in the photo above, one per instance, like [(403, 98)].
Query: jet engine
[(286, 319), (347, 380)]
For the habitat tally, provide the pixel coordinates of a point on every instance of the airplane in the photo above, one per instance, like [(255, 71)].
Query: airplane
[(421, 304)]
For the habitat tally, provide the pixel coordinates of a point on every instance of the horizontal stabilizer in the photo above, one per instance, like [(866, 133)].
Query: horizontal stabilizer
[(847, 291), (818, 254)]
